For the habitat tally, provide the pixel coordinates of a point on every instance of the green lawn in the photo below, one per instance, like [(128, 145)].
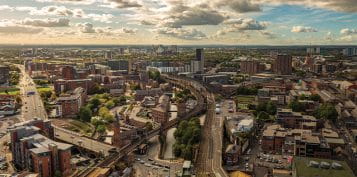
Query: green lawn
[(44, 89), (245, 99), (11, 91), (82, 127)]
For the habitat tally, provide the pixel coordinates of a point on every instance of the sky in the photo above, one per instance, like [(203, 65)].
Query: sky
[(179, 22)]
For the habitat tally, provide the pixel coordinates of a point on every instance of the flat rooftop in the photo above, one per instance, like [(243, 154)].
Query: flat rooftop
[(302, 168)]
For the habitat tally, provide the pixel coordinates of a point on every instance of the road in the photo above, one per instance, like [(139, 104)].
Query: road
[(82, 141), (32, 104)]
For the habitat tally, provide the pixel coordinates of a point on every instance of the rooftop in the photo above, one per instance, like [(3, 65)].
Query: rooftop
[(302, 168)]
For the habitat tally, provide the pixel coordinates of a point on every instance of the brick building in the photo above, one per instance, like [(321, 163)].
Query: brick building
[(251, 67), (61, 85), (297, 142), (283, 65), (68, 72), (4, 74), (70, 104), (160, 113), (33, 151), (289, 119)]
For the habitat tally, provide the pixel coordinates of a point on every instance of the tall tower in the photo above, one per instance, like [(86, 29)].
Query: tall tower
[(200, 58), (116, 127)]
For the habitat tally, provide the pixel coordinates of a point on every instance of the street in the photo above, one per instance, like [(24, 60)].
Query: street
[(32, 103)]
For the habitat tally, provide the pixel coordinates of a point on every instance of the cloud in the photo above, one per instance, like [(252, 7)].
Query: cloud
[(268, 34), (303, 29), (336, 5), (181, 33), (121, 4), (69, 1), (240, 6), (348, 31), (61, 22), (10, 27), (183, 16), (53, 10), (6, 7), (106, 18), (146, 22), (89, 28), (242, 24)]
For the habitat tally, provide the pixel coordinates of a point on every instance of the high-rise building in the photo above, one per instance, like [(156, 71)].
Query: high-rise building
[(4, 74), (251, 67), (313, 50), (283, 65), (108, 55), (118, 64), (349, 52), (201, 59), (68, 72)]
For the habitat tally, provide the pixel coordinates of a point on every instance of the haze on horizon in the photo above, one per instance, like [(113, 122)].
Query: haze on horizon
[(247, 22)]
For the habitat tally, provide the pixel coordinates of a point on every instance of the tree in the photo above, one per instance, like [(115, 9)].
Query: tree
[(315, 97), (297, 106), (110, 104), (101, 129), (271, 108), (94, 102), (105, 114), (85, 114), (326, 111), (263, 116)]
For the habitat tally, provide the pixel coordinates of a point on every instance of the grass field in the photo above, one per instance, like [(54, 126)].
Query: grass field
[(81, 126), (44, 89), (11, 91)]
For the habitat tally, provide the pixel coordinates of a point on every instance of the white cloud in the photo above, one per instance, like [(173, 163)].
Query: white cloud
[(70, 1), (348, 31), (6, 7), (89, 28), (106, 18), (184, 16), (303, 29), (181, 33), (61, 22)]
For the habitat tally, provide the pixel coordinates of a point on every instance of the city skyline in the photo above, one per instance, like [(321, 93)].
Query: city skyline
[(182, 22)]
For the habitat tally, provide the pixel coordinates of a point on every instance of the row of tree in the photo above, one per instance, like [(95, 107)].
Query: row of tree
[(187, 135)]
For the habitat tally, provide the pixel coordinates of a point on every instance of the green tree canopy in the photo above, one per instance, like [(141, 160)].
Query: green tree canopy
[(85, 114)]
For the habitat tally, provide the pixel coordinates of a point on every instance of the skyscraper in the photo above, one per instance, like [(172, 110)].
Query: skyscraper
[(283, 65), (200, 58)]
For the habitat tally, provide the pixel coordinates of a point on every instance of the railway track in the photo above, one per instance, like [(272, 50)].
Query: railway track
[(196, 88)]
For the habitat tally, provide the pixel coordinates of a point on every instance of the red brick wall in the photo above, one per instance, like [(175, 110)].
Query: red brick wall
[(45, 161)]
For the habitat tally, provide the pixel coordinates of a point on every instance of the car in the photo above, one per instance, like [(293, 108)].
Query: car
[(142, 162), (246, 165), (167, 167), (165, 170), (138, 159), (150, 159)]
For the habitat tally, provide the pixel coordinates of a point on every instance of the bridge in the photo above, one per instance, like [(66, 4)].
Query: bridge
[(196, 89), (100, 148)]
